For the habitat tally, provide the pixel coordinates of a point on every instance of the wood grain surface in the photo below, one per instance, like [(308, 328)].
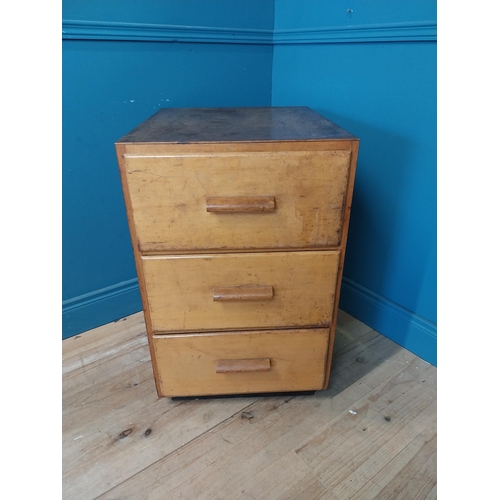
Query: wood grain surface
[(168, 196), (187, 364), (370, 436), (180, 290)]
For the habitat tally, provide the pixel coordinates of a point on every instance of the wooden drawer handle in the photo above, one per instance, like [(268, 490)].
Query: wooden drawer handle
[(243, 365), (240, 203), (242, 293)]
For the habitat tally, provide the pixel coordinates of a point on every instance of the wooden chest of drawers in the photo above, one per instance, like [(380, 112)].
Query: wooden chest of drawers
[(238, 219)]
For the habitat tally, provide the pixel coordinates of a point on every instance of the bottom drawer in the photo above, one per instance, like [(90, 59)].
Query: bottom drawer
[(242, 362)]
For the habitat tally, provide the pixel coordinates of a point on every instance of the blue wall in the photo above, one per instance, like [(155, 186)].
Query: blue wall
[(368, 66), (313, 14), (373, 71), (114, 77), (244, 14)]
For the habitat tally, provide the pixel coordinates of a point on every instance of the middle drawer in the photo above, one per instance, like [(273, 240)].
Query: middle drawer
[(240, 291)]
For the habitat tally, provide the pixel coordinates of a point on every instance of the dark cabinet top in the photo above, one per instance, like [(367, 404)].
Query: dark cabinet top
[(190, 125)]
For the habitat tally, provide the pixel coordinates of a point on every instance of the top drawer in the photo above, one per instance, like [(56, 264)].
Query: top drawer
[(291, 199)]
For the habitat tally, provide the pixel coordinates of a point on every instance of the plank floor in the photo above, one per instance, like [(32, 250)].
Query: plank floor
[(371, 435)]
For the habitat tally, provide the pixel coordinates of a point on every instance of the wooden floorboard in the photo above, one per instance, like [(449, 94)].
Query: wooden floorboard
[(370, 435)]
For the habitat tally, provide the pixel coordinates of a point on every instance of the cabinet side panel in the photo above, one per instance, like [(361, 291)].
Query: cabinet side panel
[(120, 152), (343, 242)]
